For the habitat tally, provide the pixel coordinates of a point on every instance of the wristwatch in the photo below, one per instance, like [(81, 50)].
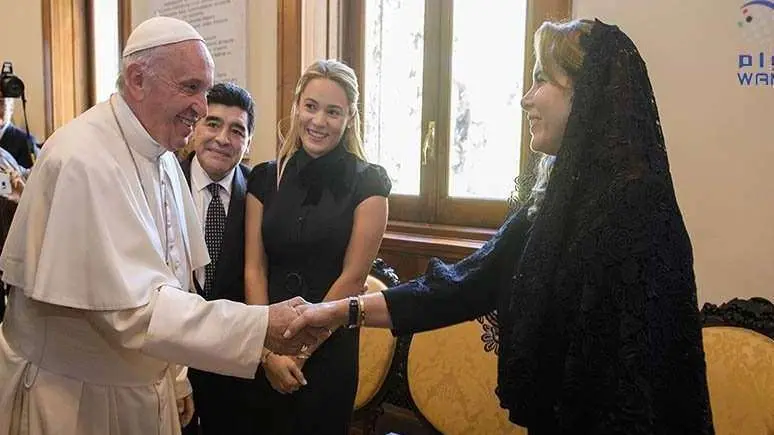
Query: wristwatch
[(354, 313)]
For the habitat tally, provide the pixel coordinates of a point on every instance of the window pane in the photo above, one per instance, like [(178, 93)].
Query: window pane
[(106, 57), (487, 70), (394, 49)]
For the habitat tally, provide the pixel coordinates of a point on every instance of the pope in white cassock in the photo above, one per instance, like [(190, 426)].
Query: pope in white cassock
[(100, 322)]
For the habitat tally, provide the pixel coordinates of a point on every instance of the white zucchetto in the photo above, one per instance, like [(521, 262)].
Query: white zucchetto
[(158, 31)]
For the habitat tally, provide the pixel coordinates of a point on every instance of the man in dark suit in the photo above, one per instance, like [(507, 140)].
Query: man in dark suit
[(13, 139), (218, 183)]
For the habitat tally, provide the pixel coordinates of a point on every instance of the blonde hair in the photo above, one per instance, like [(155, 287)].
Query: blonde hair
[(345, 77), (557, 47)]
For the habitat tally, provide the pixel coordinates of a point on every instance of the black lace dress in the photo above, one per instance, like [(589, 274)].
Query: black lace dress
[(597, 319), (306, 230)]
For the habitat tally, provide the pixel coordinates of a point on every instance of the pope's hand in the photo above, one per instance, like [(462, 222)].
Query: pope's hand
[(280, 316)]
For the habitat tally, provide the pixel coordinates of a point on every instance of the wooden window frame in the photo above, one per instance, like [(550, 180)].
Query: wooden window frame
[(66, 74), (289, 51), (68, 70)]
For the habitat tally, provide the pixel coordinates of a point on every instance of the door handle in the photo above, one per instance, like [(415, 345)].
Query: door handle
[(428, 144)]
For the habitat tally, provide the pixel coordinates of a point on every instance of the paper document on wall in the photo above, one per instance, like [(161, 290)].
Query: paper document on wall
[(222, 23)]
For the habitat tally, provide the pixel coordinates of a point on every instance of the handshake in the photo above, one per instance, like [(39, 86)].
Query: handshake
[(296, 325)]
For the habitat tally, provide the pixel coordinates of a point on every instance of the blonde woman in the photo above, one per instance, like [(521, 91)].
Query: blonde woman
[(315, 218)]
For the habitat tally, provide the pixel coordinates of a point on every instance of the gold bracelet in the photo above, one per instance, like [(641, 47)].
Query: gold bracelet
[(266, 354), (361, 302)]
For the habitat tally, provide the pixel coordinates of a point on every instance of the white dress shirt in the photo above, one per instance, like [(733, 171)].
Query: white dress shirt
[(202, 197)]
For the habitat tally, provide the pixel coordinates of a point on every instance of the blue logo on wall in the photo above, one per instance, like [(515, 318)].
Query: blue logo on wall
[(756, 66), (748, 16)]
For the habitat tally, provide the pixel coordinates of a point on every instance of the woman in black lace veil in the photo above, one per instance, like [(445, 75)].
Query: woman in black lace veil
[(592, 276)]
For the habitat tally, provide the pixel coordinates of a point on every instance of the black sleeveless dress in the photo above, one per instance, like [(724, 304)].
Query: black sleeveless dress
[(306, 229)]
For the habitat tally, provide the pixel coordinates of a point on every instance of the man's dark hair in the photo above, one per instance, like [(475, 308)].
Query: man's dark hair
[(229, 94)]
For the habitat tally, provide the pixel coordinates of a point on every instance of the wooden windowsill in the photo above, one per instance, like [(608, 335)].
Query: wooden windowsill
[(444, 241), (443, 231)]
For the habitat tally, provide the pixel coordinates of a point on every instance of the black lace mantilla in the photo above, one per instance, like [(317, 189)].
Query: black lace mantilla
[(490, 334), (756, 314), (601, 332)]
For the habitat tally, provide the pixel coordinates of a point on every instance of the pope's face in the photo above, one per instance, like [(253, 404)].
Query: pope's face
[(176, 95)]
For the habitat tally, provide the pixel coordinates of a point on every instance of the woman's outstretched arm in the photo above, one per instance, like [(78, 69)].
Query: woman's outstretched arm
[(445, 295)]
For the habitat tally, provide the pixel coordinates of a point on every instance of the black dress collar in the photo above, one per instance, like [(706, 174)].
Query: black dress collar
[(303, 161), (325, 172)]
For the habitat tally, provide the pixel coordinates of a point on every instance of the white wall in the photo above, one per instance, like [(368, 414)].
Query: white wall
[(718, 134), (21, 42)]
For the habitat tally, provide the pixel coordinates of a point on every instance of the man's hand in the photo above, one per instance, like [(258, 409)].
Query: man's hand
[(185, 409), (327, 316), (280, 316)]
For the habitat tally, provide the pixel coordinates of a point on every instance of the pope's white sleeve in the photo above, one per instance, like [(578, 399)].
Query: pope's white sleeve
[(218, 336)]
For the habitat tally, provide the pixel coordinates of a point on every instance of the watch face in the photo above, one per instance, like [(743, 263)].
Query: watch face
[(354, 313)]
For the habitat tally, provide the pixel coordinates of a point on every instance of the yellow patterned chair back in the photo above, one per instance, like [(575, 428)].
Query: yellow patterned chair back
[(452, 380), (740, 366), (377, 347), (376, 357)]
